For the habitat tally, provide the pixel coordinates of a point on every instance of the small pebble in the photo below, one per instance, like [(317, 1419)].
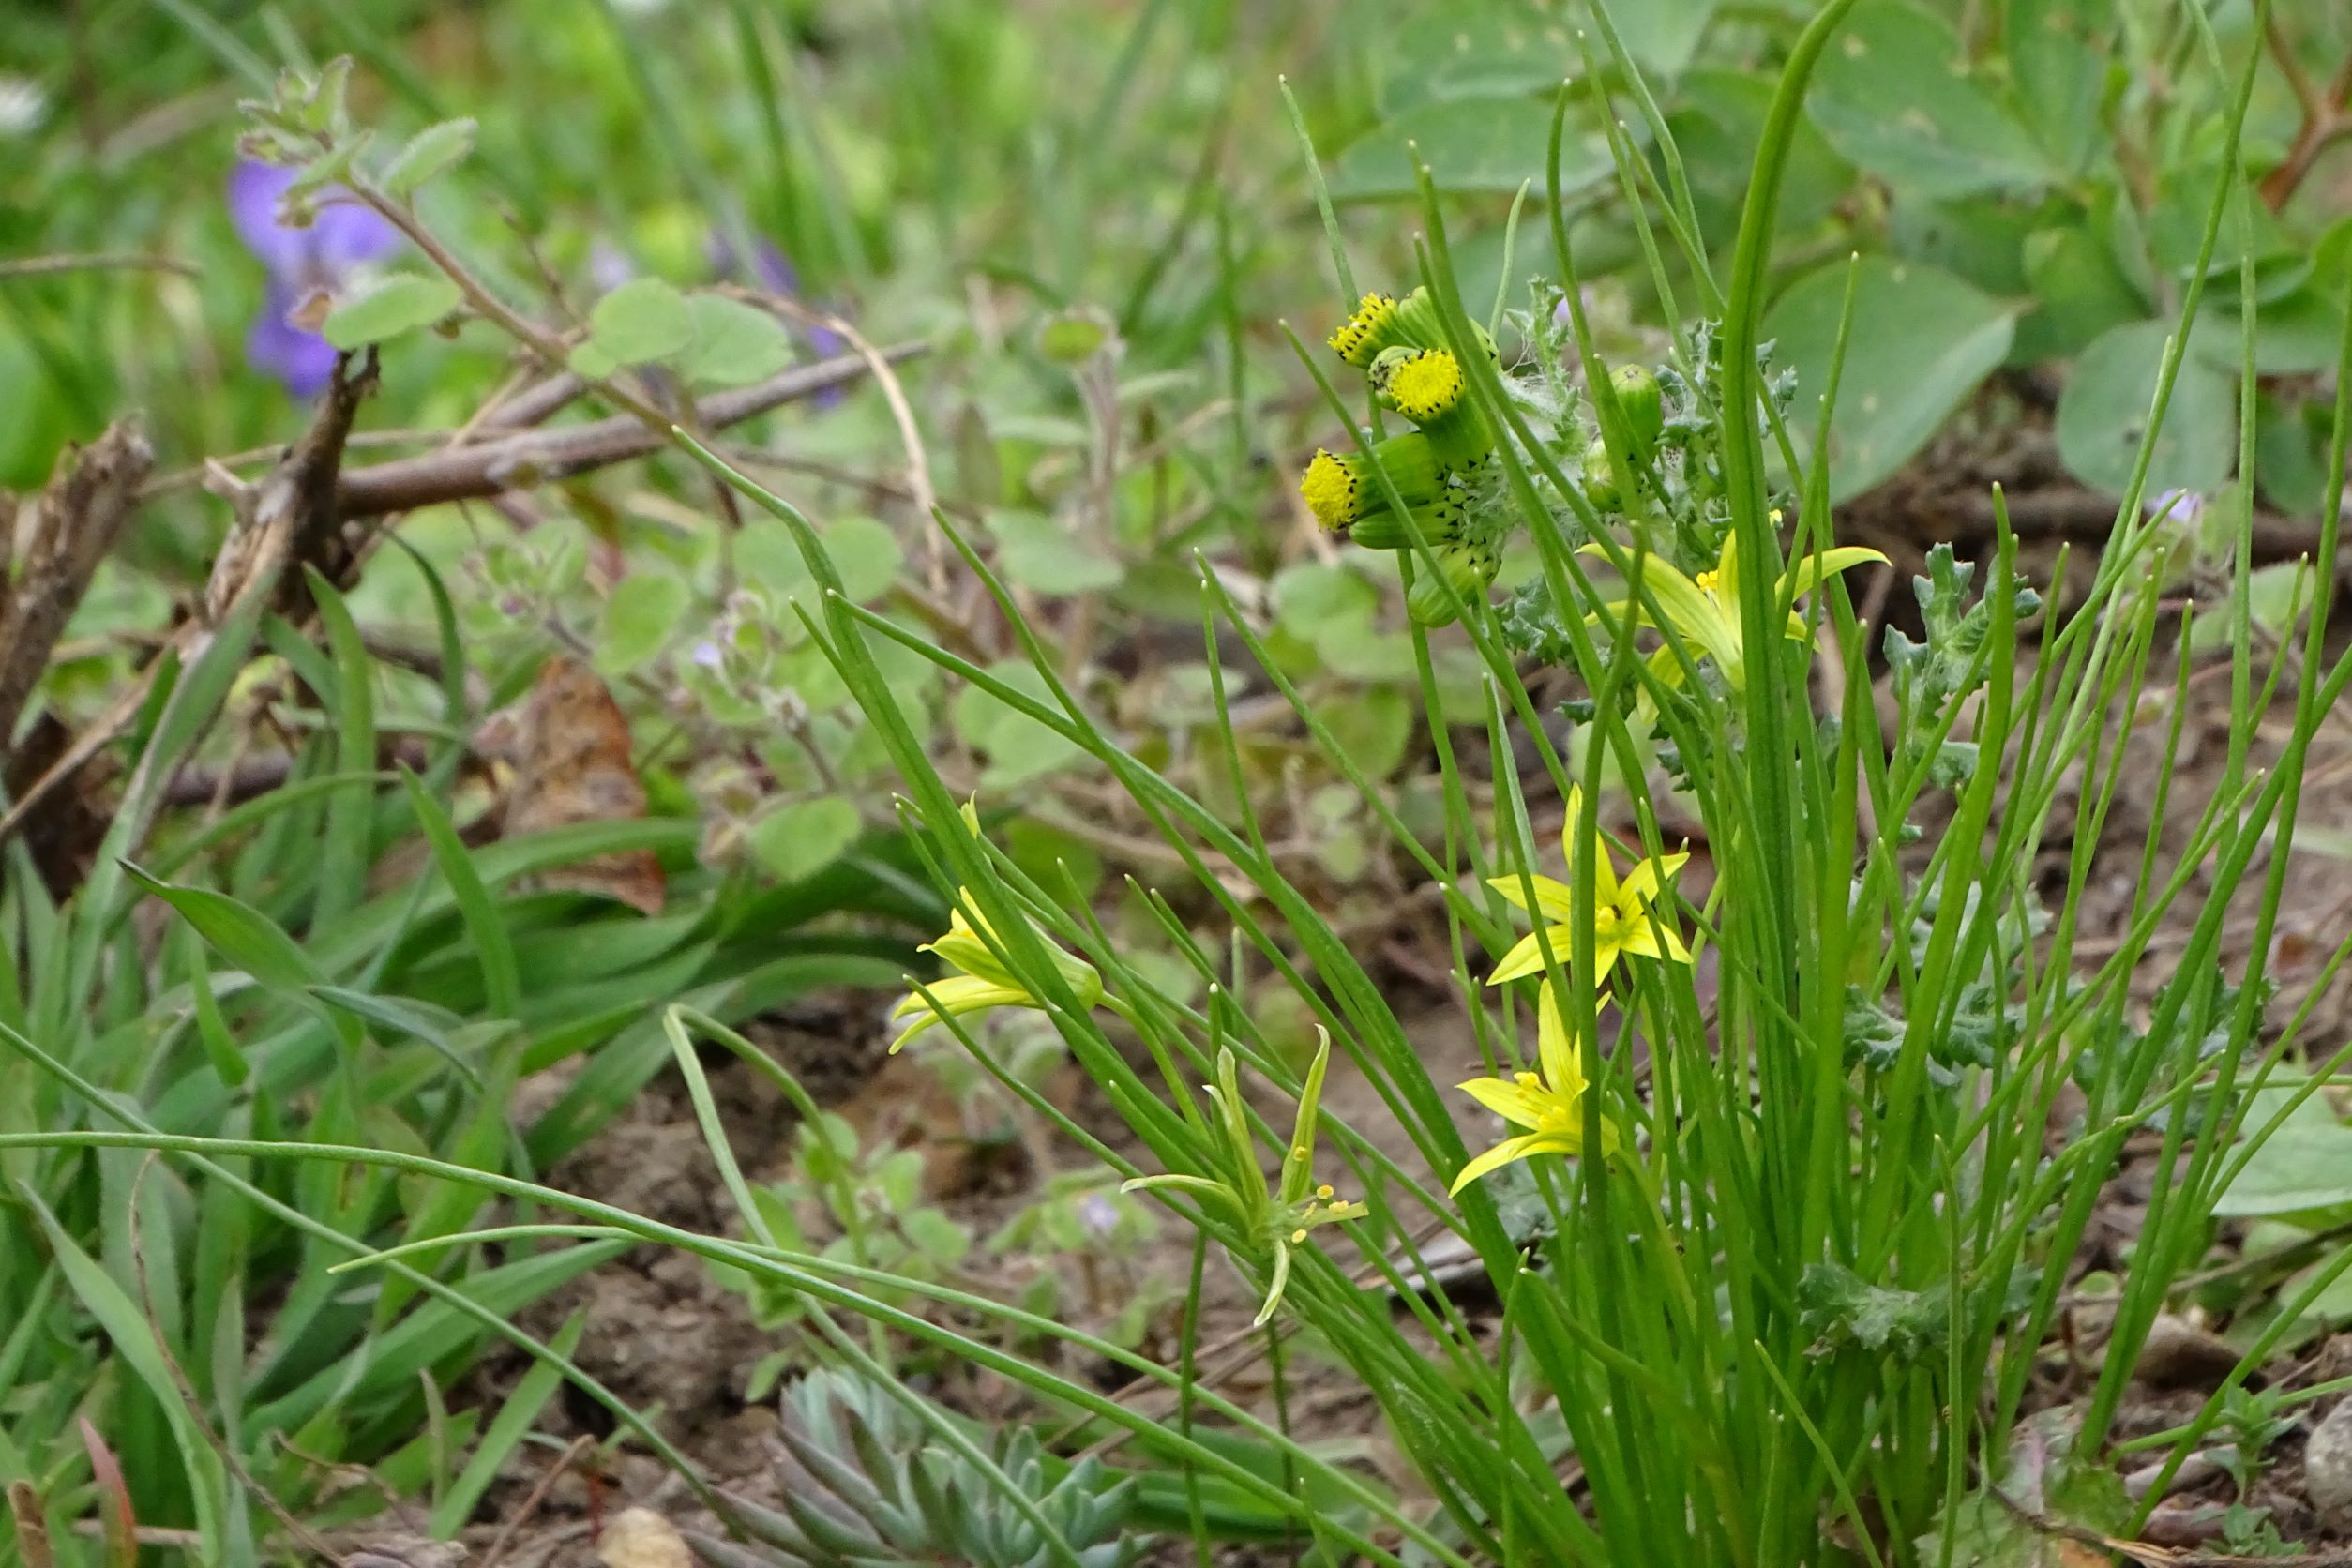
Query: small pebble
[(2328, 1467), (640, 1538)]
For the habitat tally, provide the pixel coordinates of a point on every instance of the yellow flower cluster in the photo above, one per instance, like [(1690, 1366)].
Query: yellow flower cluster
[(1627, 919), (1434, 470)]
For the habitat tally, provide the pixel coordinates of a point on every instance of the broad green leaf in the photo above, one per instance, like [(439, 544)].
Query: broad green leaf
[(1716, 126), (2175, 232), (240, 933), (1489, 145), (1487, 51), (1892, 95), (1040, 553), (1981, 239), (803, 838), (642, 320), (2103, 412), (1660, 35), (400, 303), (865, 552), (1922, 341), (431, 152), (734, 344), (2291, 453), (2278, 596), (644, 611), (2081, 290), (587, 359), (2301, 1167), (2300, 332), (2059, 52)]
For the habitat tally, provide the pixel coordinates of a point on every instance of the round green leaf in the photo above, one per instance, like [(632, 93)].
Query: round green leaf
[(1489, 52), (1373, 726), (1922, 341), (1038, 552), (642, 320), (799, 841), (1017, 747), (400, 303), (1470, 144), (1309, 596), (1716, 128), (734, 344), (2103, 414), (1890, 93), (2082, 291), (2059, 52), (865, 552), (639, 615)]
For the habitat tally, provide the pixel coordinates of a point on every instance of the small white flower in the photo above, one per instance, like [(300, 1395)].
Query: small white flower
[(23, 105)]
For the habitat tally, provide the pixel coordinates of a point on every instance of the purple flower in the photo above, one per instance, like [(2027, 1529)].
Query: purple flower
[(342, 238)]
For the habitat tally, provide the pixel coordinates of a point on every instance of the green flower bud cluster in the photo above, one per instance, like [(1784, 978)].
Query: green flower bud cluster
[(1439, 470), (1641, 411)]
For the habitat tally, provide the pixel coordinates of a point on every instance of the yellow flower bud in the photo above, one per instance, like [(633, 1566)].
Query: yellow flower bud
[(1423, 384), (1339, 490)]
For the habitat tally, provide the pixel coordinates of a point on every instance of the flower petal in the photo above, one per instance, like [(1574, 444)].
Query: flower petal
[(1642, 883), (1528, 957), (1691, 614), (1810, 573), (1515, 1103), (1549, 894), (1504, 1154), (1556, 1049)]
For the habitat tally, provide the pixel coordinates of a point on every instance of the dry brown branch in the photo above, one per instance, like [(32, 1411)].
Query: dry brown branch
[(486, 468), (74, 522), (292, 508)]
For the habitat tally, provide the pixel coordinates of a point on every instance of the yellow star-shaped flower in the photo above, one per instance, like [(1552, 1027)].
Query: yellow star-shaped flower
[(1705, 611), (1625, 918), (1548, 1104)]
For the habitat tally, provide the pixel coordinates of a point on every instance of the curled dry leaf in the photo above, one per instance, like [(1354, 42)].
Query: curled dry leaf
[(568, 744)]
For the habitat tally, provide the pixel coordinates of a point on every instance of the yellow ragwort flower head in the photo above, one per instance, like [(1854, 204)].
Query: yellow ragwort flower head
[(983, 980), (1705, 611), (1423, 384), (1627, 917), (1365, 333), (1548, 1104), (1341, 488)]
